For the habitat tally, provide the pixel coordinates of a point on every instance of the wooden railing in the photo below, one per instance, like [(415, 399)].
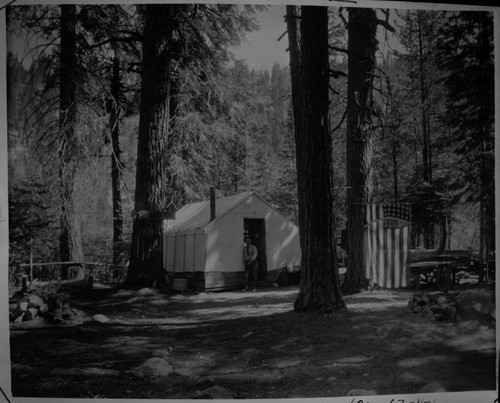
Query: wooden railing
[(104, 273)]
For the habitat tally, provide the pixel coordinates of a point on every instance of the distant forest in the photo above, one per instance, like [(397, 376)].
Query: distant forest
[(232, 128)]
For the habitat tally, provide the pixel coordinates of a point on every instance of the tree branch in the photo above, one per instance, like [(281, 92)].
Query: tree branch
[(336, 73), (386, 25), (341, 121), (130, 39)]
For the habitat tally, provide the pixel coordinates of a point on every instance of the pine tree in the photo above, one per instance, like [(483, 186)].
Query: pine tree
[(466, 57), (319, 285), (362, 45)]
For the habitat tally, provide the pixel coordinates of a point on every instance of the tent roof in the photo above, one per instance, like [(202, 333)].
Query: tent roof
[(197, 215)]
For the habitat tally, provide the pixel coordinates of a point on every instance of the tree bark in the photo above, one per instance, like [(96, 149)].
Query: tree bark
[(319, 286), (116, 163), (362, 45), (395, 167), (444, 233), (428, 223), (151, 191), (70, 242)]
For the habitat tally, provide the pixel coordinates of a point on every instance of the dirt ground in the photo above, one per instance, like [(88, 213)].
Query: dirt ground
[(251, 344)]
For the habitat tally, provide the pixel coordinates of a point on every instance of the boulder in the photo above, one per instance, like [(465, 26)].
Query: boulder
[(250, 356), (145, 292), (475, 305), (409, 377), (154, 367), (35, 301), (22, 305), (388, 328), (214, 392), (44, 308), (19, 318), (28, 315), (100, 318), (161, 353), (76, 273), (68, 314)]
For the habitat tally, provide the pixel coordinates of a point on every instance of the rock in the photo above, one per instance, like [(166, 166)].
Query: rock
[(100, 318), (154, 367), (475, 305), (76, 273), (450, 313), (58, 315), (44, 308), (161, 353), (145, 292), (134, 300), (35, 300), (28, 315), (250, 356), (19, 319), (387, 328), (361, 392), (441, 300), (433, 387), (409, 377), (331, 379), (22, 305), (427, 312), (68, 314), (215, 392)]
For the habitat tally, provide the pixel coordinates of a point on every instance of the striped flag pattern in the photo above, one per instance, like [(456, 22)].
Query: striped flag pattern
[(386, 240)]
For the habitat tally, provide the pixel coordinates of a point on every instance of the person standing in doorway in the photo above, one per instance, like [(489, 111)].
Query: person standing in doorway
[(250, 254)]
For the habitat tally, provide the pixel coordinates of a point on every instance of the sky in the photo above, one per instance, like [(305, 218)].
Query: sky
[(261, 49)]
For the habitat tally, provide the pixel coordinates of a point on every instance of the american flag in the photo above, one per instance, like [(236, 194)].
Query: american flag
[(374, 212), (386, 244)]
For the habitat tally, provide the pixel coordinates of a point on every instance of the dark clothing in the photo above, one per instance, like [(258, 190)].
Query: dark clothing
[(251, 264)]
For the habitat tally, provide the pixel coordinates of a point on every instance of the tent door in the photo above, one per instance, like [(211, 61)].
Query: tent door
[(255, 229)]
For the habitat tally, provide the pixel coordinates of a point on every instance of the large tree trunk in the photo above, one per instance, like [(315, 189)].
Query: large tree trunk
[(319, 285), (362, 45), (116, 164), (444, 234), (151, 191), (487, 161), (70, 238), (428, 223), (395, 168)]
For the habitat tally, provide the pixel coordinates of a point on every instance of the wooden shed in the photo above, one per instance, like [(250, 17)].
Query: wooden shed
[(204, 242)]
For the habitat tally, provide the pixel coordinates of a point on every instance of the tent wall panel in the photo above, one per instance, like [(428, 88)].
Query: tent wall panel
[(169, 252), (224, 245), (180, 245), (217, 280), (189, 252), (199, 252)]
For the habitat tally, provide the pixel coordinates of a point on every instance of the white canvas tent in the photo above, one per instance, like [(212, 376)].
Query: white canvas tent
[(209, 249)]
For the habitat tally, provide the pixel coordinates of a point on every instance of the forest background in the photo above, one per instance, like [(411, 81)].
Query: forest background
[(233, 125)]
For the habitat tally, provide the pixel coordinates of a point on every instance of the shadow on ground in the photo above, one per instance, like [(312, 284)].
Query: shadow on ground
[(252, 344)]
